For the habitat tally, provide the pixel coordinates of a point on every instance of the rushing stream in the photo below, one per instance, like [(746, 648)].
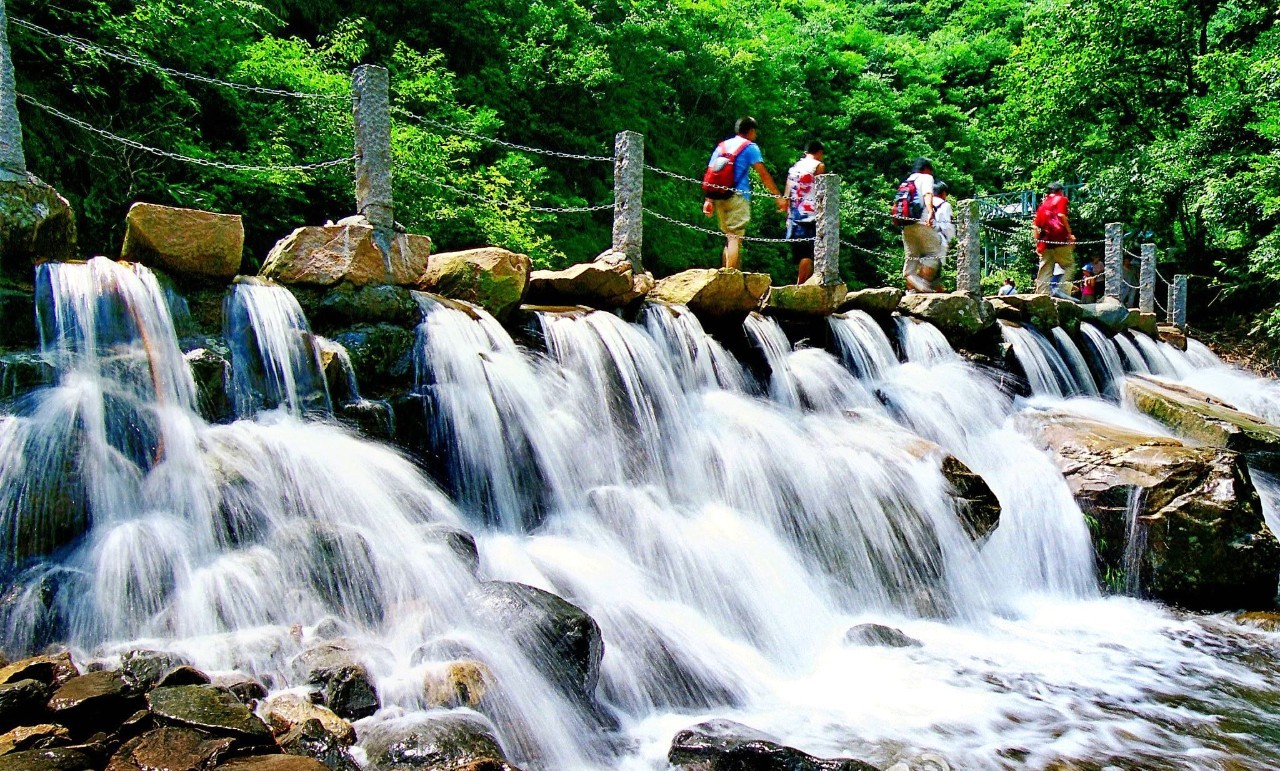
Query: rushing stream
[(724, 526)]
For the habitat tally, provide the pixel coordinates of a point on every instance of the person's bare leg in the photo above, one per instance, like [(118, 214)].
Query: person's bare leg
[(732, 257), (806, 271)]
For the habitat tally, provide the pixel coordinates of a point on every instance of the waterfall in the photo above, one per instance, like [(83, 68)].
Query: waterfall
[(1133, 361), (275, 361), (1154, 356), (1135, 543), (1046, 372), (922, 342), (699, 360), (1071, 354), (768, 337), (1106, 359), (862, 344)]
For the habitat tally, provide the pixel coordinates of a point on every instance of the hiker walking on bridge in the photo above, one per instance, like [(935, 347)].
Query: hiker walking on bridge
[(802, 207), (913, 211), (727, 187), (1055, 243)]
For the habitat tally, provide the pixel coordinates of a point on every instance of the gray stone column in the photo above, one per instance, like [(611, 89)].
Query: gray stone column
[(1178, 302), (13, 163), (826, 242), (371, 105), (1147, 280), (628, 197), (968, 246), (1113, 259)]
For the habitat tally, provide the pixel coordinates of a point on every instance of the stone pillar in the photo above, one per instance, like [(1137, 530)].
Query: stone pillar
[(968, 246), (1147, 280), (826, 242), (1113, 259), (628, 196), (371, 105), (1178, 302), (13, 163)]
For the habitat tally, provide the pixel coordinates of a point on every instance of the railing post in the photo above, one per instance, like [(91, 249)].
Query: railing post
[(13, 163), (826, 243), (628, 196), (1112, 261), (371, 106), (1178, 302), (1147, 282), (969, 251)]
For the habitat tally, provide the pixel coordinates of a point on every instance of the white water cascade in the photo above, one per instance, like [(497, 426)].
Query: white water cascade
[(274, 358)]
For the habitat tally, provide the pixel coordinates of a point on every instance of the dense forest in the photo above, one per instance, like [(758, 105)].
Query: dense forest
[(1167, 111)]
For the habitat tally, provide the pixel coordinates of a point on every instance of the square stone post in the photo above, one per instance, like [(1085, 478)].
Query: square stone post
[(1178, 302), (371, 105), (13, 162), (968, 246), (1147, 280), (628, 197), (1113, 259), (826, 242)]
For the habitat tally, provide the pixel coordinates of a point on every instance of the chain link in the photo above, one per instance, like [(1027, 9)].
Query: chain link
[(1010, 234), (866, 251), (507, 204), (138, 61), (429, 122), (756, 191), (176, 156), (708, 231)]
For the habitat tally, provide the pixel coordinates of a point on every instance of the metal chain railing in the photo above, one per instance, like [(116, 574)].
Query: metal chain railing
[(756, 190), (441, 126), (721, 234), (1010, 234), (138, 61), (506, 204), (136, 145), (868, 252)]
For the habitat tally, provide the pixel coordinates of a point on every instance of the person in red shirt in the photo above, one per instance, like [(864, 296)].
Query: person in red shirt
[(1055, 243)]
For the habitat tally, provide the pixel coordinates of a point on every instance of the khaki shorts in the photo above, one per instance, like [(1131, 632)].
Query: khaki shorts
[(733, 214)]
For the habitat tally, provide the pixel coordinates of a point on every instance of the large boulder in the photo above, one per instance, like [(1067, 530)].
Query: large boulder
[(346, 687), (22, 701), (723, 745), (184, 242), (311, 740), (22, 372), (209, 709), (325, 255), (877, 301), (1197, 415), (1146, 323), (713, 293), (1109, 312), (604, 284), (381, 355), (490, 277), (212, 373), (1038, 309), (958, 314), (347, 303), (979, 507), (286, 711), (36, 223), (179, 749), (1206, 545), (805, 299), (98, 700), (455, 740)]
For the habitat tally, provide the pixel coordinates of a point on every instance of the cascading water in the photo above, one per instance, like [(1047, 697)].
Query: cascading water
[(1074, 358), (1135, 544), (1154, 355), (1047, 373), (1105, 358), (863, 345), (921, 342), (275, 361), (1129, 353)]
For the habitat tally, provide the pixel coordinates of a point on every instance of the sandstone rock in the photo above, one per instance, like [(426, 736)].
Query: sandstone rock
[(878, 635), (274, 763), (171, 749), (805, 299), (346, 685), (450, 740), (211, 709), (490, 277), (1108, 312), (878, 301), (1172, 335), (184, 241), (959, 315), (561, 639), (35, 224), (1207, 546), (1204, 418), (286, 711), (34, 737), (1038, 309), (723, 745), (457, 684), (347, 303), (597, 284), (329, 254), (980, 509), (713, 293), (311, 740), (58, 759), (22, 701), (51, 670)]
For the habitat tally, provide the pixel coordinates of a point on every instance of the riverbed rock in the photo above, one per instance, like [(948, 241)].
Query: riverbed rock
[(245, 687), (959, 315), (723, 745), (36, 223), (346, 686), (310, 739), (459, 541), (34, 737), (878, 301), (22, 701), (211, 372), (325, 255), (1206, 419), (273, 763), (1146, 323), (561, 639), (453, 740), (1172, 335), (598, 284), (713, 293), (1207, 546), (457, 684), (55, 669), (97, 699), (18, 312), (56, 759), (1109, 312), (490, 277), (171, 749), (805, 299), (381, 355), (144, 669), (348, 303), (286, 711), (211, 709), (1037, 309), (979, 507), (184, 242), (881, 636)]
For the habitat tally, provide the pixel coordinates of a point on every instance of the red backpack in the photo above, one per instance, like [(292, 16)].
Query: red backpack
[(905, 210), (721, 180)]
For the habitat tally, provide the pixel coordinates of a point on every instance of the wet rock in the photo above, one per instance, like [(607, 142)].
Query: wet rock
[(341, 566), (244, 687), (723, 745), (492, 278), (345, 684), (1069, 314), (563, 641), (18, 309), (58, 759), (184, 242), (22, 701), (1207, 546), (208, 708), (880, 301), (92, 702), (979, 507), (881, 636), (930, 761), (1173, 336), (327, 255), (347, 303), (1267, 621), (1109, 312), (1197, 415), (171, 749), (457, 684), (35, 224), (443, 649), (211, 372), (1038, 309), (805, 299), (598, 284), (372, 419), (51, 670), (381, 354), (958, 314), (34, 737), (442, 741), (286, 711), (713, 293), (311, 740), (1146, 323), (273, 763), (459, 541), (144, 669), (183, 675)]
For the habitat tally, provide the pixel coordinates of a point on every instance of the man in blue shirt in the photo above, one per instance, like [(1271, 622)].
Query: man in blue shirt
[(733, 213)]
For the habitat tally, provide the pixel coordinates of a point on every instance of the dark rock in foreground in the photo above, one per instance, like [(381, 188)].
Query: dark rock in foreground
[(447, 741), (723, 745), (879, 635)]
